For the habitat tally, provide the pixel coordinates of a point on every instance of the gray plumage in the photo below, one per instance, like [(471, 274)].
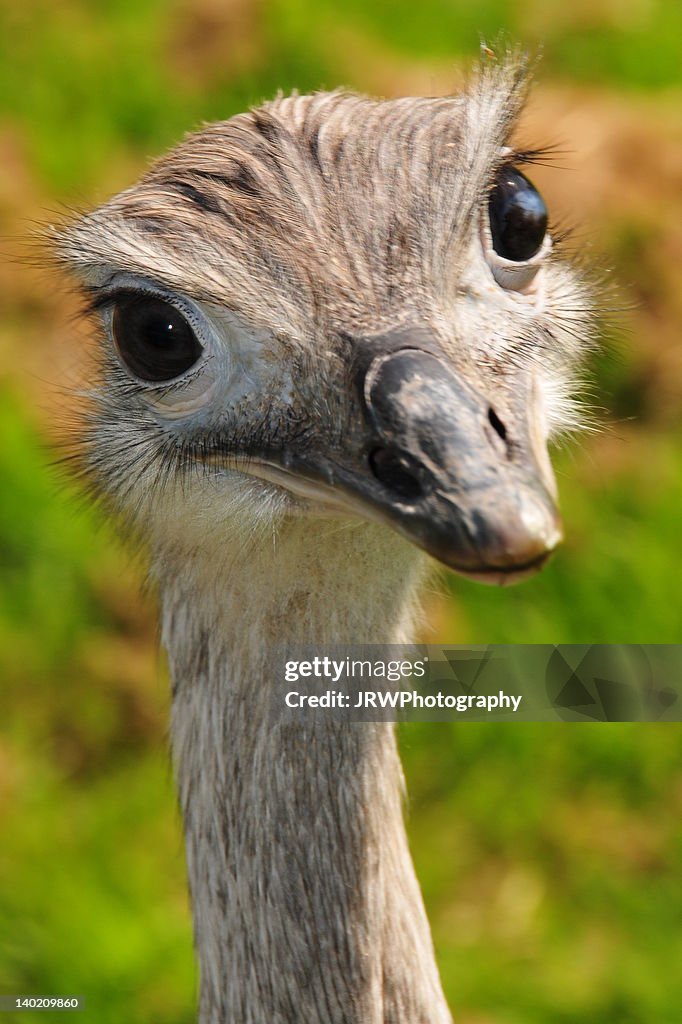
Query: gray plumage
[(287, 237)]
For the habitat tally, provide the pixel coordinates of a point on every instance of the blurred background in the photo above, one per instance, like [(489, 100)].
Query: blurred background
[(550, 855)]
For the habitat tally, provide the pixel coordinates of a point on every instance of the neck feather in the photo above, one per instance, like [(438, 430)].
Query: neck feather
[(306, 907)]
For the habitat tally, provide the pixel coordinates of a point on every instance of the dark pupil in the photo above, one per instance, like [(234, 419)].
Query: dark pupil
[(154, 339), (518, 216)]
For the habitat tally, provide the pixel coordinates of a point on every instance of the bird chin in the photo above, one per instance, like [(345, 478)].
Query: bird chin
[(316, 499)]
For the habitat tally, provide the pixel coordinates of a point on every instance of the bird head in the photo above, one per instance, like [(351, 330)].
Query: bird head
[(338, 306)]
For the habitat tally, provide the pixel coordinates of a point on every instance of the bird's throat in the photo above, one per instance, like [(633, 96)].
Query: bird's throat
[(305, 903)]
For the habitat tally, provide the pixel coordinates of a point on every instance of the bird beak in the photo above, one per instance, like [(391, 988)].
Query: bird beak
[(473, 491), (428, 454)]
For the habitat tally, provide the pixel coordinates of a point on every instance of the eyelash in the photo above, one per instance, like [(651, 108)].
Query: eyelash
[(101, 299)]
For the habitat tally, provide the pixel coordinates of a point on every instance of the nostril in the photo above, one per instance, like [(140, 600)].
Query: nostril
[(396, 472), (497, 424)]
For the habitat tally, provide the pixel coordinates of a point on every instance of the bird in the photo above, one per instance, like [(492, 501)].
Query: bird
[(335, 338)]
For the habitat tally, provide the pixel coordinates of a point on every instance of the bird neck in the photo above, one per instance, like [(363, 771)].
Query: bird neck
[(305, 903)]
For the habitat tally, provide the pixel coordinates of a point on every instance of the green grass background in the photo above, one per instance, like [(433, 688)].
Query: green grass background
[(550, 855)]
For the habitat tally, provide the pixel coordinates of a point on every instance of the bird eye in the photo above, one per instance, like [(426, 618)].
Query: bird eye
[(153, 338), (518, 216)]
